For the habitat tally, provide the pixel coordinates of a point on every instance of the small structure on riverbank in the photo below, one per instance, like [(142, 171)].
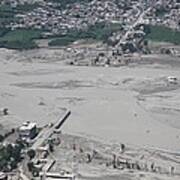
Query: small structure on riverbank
[(3, 176), (172, 79), (4, 111), (56, 176), (28, 130)]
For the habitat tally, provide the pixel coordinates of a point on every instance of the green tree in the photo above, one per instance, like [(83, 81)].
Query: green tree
[(31, 153), (51, 147), (122, 148), (1, 138), (30, 166)]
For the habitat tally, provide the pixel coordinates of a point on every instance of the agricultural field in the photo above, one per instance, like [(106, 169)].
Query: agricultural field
[(163, 34)]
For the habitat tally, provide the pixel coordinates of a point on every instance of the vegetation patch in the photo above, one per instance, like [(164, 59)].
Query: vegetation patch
[(160, 12), (163, 34), (20, 39), (10, 156), (99, 32), (3, 31)]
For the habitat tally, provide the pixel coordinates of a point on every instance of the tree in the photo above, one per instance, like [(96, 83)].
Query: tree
[(51, 147), (89, 158), (31, 153), (16, 154), (5, 111), (9, 149), (122, 148), (114, 162), (1, 138), (145, 42), (30, 166)]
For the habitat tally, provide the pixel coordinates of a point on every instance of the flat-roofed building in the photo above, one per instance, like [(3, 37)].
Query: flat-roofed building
[(28, 130)]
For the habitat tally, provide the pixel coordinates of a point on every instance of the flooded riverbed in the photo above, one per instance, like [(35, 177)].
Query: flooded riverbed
[(107, 103)]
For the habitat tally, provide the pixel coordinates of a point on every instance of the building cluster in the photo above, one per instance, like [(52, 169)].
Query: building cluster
[(17, 2), (14, 3), (51, 17), (55, 20), (165, 13)]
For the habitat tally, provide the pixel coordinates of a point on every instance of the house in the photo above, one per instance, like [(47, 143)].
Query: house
[(3, 176), (172, 79)]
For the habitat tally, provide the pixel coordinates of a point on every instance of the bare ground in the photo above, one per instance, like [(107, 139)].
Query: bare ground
[(133, 105)]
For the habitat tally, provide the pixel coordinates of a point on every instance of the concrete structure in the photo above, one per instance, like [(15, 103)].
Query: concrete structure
[(3, 176), (28, 130), (57, 176), (172, 79)]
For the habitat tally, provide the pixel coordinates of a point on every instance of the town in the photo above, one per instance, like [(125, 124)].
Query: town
[(89, 89), (49, 16), (127, 19)]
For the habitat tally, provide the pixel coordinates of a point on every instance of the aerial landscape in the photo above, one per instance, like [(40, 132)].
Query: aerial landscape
[(89, 89)]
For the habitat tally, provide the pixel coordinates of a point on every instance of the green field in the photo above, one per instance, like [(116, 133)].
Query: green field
[(24, 38), (99, 32), (17, 39), (20, 39), (163, 34), (3, 31)]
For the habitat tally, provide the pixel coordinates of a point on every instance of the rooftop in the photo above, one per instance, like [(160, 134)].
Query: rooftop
[(27, 126)]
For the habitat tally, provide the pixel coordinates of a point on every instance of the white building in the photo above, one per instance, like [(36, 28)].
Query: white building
[(172, 79), (28, 130)]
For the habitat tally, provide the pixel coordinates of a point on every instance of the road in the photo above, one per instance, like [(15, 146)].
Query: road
[(40, 139)]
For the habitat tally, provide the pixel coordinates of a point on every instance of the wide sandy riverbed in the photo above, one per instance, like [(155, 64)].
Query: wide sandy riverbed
[(134, 105)]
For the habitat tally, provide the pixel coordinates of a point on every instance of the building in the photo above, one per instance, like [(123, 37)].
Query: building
[(28, 130), (172, 79), (3, 176)]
